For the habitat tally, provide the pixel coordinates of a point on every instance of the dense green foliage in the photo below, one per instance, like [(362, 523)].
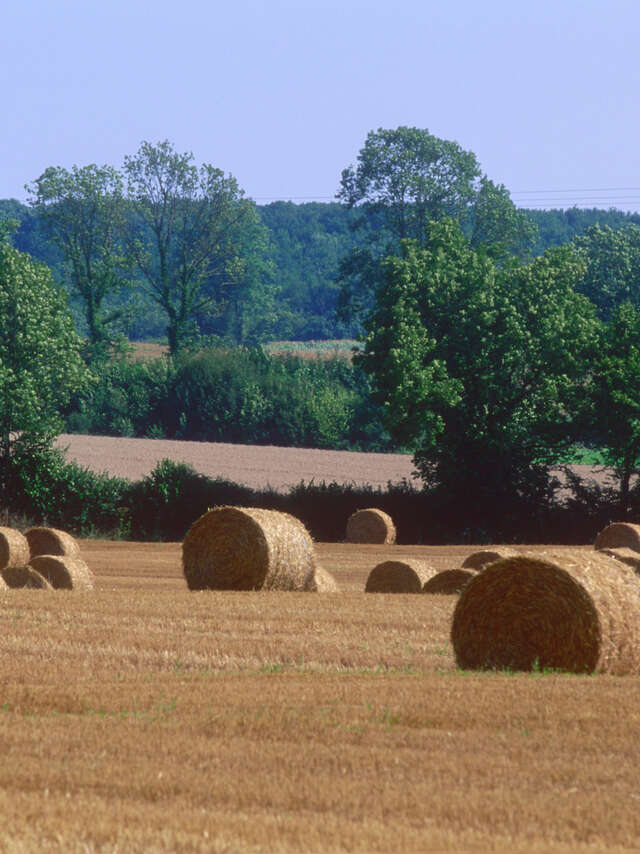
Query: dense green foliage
[(83, 213), (477, 365), (303, 245), (40, 361), (234, 395)]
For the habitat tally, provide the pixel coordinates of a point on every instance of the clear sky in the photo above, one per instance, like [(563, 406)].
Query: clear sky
[(282, 93)]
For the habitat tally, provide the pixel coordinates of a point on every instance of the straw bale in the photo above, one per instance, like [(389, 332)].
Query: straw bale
[(25, 576), (63, 572), (449, 581), (371, 526), (628, 556), (322, 581), (573, 610), (247, 548), (619, 535), (399, 576), (478, 560), (51, 541), (14, 548)]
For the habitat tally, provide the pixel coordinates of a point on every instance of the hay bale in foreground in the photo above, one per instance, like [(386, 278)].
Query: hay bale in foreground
[(478, 560), (371, 526), (399, 576), (51, 541), (628, 556), (575, 610), (450, 581), (247, 548), (25, 576), (62, 572), (14, 548), (619, 535), (322, 582)]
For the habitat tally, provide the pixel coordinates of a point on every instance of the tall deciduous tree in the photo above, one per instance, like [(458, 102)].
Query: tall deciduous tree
[(186, 222), (406, 178), (40, 361), (82, 211), (612, 274), (476, 365), (615, 380)]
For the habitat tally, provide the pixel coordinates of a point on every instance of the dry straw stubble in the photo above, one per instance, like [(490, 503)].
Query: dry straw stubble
[(619, 535), (399, 576), (323, 582), (248, 548), (51, 541), (371, 526), (478, 560), (571, 610), (62, 572), (628, 556), (14, 548), (450, 581)]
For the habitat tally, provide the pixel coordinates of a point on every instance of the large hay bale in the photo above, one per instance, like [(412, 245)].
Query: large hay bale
[(619, 535), (478, 560), (399, 576), (25, 576), (247, 548), (322, 581), (62, 572), (14, 548), (628, 556), (450, 581), (570, 610), (51, 541), (371, 526)]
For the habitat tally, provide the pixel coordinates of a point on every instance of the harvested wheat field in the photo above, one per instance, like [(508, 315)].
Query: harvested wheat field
[(144, 717)]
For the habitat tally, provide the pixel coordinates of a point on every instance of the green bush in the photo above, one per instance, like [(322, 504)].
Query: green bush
[(45, 487)]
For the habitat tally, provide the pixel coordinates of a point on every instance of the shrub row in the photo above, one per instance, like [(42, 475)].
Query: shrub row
[(233, 395), (45, 489)]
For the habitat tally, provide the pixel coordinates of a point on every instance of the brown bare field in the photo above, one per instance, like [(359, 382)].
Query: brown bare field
[(257, 466), (145, 718)]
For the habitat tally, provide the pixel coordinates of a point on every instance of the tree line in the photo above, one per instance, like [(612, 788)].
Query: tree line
[(166, 248), (485, 358)]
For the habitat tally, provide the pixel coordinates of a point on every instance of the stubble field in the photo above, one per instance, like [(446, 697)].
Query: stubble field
[(144, 717)]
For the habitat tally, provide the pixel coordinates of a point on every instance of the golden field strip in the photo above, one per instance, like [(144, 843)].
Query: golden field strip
[(143, 717)]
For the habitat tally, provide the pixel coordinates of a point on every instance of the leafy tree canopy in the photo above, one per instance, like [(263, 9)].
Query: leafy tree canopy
[(612, 274), (40, 361), (186, 225), (82, 211), (477, 365)]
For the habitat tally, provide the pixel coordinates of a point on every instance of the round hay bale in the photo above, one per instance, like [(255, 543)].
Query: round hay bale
[(25, 576), (51, 541), (322, 581), (628, 556), (14, 548), (399, 576), (577, 611), (247, 548), (619, 535), (449, 581), (478, 560), (371, 526), (63, 573)]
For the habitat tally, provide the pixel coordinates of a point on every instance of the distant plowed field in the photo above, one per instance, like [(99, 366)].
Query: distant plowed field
[(257, 466)]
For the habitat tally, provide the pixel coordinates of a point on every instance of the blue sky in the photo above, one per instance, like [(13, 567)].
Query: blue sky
[(282, 93)]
